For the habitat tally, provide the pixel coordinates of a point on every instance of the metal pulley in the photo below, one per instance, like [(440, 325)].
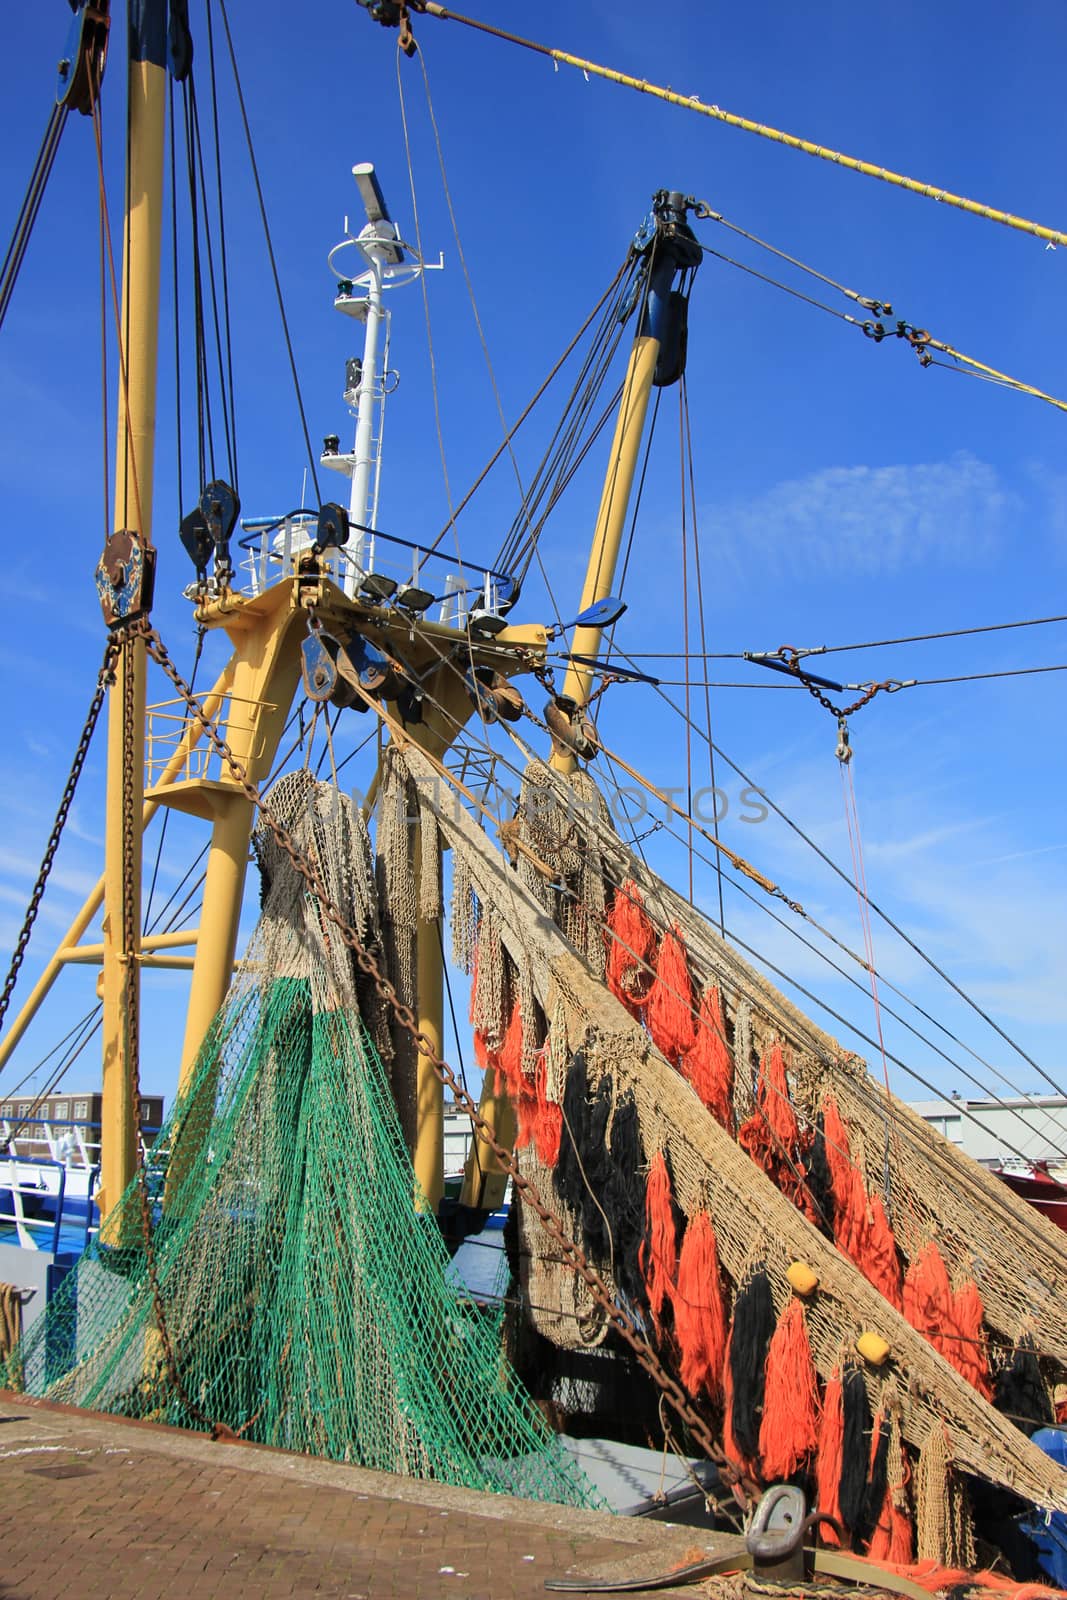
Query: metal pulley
[(344, 673), (492, 696), (317, 668), (125, 577), (573, 730), (206, 531), (81, 68), (844, 750)]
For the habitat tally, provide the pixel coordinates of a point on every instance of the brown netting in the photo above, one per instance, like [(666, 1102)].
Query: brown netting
[(943, 1521), (749, 1213), (463, 917), (398, 896), (560, 1304), (927, 1185)]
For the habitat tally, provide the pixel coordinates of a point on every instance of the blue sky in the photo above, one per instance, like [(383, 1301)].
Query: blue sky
[(843, 493)]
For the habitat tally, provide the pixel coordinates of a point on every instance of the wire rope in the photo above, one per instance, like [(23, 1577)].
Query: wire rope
[(693, 103), (883, 915), (312, 464), (866, 644), (31, 205)]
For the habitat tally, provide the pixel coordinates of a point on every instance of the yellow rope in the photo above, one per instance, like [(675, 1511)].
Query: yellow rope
[(693, 103), (993, 374)]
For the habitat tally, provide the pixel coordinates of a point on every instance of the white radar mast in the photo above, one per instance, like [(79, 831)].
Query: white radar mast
[(382, 262)]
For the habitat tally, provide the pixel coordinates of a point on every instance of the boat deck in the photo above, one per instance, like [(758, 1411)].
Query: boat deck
[(101, 1506)]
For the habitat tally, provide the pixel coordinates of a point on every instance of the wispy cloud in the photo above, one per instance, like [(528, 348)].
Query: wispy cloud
[(24, 869), (868, 520), (1053, 487)]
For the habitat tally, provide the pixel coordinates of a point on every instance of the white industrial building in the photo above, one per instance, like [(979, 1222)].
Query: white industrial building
[(1013, 1133)]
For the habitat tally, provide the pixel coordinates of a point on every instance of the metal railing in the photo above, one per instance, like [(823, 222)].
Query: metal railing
[(48, 1177), (273, 549), (165, 727)]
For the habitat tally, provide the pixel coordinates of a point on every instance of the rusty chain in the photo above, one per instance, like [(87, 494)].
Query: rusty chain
[(104, 677), (125, 640), (792, 659), (572, 1253)]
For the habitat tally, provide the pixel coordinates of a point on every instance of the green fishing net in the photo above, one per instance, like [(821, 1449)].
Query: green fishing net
[(305, 1298)]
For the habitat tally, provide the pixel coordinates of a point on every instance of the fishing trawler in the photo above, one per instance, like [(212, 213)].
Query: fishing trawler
[(727, 1238)]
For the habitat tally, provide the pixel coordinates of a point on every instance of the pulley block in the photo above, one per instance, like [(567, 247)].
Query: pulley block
[(343, 673), (573, 730), (81, 68), (220, 508), (332, 529), (493, 696), (317, 668), (125, 577)]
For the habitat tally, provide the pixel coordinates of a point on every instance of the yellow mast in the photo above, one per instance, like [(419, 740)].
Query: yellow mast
[(611, 518), (134, 467), (671, 249)]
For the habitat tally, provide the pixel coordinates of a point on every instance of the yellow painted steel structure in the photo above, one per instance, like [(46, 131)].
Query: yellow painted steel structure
[(255, 693), (484, 1182), (134, 470), (70, 944), (611, 518), (429, 1153)]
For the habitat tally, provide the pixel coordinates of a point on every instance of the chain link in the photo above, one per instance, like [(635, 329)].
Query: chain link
[(571, 1252), (104, 677), (792, 660), (132, 757)]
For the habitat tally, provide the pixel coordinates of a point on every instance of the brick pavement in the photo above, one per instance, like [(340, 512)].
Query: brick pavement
[(104, 1509)]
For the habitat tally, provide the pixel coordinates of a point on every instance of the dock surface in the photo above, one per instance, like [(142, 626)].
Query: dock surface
[(109, 1509)]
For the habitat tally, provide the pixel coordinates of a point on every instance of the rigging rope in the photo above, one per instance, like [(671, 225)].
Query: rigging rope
[(467, 279), (312, 463), (703, 640), (756, 877), (885, 917), (31, 205), (763, 130), (865, 644), (128, 444), (663, 921), (919, 339)]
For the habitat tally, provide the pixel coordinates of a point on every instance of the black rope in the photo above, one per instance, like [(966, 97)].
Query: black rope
[(451, 1007), (866, 644), (229, 383), (312, 463), (204, 436), (31, 205), (883, 915), (569, 443), (226, 399), (177, 298)]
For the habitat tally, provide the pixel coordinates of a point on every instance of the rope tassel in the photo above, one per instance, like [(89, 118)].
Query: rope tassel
[(547, 1120), (669, 1010), (699, 1319), (750, 1334), (928, 1301), (878, 1259), (775, 1101), (971, 1357), (659, 1251), (789, 1430), (509, 1059), (631, 942), (831, 1455), (837, 1153), (893, 1539), (708, 1065)]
